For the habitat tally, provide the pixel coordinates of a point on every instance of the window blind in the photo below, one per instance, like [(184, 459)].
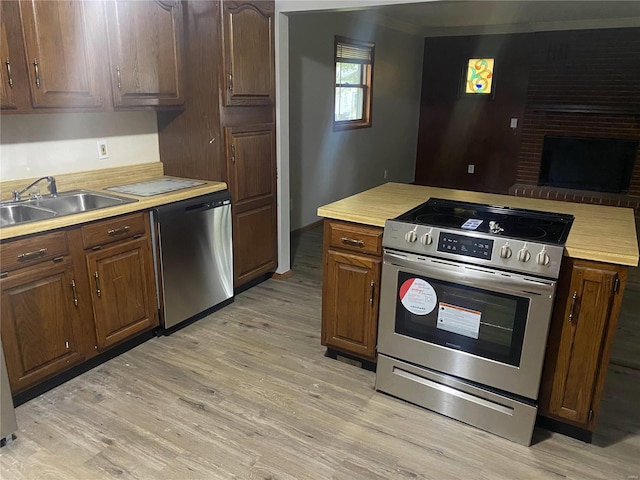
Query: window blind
[(352, 51)]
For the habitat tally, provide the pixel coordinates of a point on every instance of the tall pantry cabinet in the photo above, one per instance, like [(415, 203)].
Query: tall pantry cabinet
[(227, 129)]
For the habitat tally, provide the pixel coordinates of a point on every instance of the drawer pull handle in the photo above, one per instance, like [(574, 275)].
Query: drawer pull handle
[(118, 81), (573, 306), (118, 231), (37, 72), (373, 289), (98, 291), (75, 293), (9, 74), (37, 253), (351, 241)]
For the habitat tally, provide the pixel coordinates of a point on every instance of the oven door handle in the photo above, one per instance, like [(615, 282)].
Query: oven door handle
[(468, 274)]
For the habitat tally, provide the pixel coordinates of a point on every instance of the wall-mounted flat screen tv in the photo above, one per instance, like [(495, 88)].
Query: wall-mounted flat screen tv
[(596, 164)]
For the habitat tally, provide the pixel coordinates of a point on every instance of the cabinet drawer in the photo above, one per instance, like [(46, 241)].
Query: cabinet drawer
[(33, 250), (358, 238), (112, 230)]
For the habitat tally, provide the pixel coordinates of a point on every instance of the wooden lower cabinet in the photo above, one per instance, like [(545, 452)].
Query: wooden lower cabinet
[(351, 288), (39, 323), (123, 291), (584, 321), (70, 295), (251, 164)]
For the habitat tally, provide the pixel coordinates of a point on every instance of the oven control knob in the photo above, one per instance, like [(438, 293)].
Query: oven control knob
[(411, 236), (524, 255), (505, 251), (543, 258), (426, 239)]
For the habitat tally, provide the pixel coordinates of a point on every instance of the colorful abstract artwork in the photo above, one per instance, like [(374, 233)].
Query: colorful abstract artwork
[(479, 75)]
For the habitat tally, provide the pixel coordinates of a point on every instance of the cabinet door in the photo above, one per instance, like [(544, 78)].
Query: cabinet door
[(38, 320), (62, 45), (145, 52), (6, 75), (123, 285), (588, 299), (248, 51), (252, 182), (350, 299)]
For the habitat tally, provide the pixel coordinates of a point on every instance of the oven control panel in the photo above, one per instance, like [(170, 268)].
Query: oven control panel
[(463, 245), (482, 249)]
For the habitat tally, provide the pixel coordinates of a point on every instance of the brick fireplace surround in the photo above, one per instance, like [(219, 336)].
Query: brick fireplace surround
[(539, 123), (582, 84)]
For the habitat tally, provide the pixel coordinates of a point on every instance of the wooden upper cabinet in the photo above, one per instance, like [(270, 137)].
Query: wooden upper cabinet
[(249, 75), (6, 76), (62, 43), (145, 52)]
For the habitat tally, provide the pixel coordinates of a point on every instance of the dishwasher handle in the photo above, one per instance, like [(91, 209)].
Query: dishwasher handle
[(193, 205), (199, 208)]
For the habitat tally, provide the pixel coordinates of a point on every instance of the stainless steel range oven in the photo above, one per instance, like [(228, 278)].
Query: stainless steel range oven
[(466, 300)]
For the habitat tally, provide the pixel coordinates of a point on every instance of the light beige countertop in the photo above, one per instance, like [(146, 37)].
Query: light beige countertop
[(599, 233), (98, 181)]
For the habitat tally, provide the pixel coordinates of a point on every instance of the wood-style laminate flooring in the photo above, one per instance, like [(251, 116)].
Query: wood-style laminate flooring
[(247, 393)]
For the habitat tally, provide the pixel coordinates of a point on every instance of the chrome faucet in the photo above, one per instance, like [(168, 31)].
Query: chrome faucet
[(53, 189)]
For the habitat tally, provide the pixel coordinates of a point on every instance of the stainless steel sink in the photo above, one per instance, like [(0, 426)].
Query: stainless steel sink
[(22, 213), (78, 201), (67, 203)]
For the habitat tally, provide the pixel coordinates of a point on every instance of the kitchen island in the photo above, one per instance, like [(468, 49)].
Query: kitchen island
[(601, 245)]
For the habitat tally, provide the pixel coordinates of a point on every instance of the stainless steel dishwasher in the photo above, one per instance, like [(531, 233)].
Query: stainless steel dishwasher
[(194, 257)]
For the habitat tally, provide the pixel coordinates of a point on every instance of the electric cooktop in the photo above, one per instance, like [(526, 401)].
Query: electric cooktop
[(516, 223)]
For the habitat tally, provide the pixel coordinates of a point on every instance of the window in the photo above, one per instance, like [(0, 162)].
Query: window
[(354, 74)]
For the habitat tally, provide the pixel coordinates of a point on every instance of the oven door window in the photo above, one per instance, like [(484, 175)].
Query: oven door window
[(481, 322)]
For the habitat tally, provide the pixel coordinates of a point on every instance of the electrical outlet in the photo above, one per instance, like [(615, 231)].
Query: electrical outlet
[(103, 152), (471, 168)]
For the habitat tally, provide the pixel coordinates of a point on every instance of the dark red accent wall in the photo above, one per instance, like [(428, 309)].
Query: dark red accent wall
[(578, 83)]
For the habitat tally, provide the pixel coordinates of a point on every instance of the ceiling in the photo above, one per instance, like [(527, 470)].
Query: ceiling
[(479, 16)]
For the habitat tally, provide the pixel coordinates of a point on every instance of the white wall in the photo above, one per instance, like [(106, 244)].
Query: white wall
[(51, 144), (324, 165)]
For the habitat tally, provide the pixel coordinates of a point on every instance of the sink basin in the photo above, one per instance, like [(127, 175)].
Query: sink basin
[(21, 213), (78, 201), (67, 203)]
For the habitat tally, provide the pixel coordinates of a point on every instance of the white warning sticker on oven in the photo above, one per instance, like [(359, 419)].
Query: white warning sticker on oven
[(418, 296), (459, 320), (471, 224)]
